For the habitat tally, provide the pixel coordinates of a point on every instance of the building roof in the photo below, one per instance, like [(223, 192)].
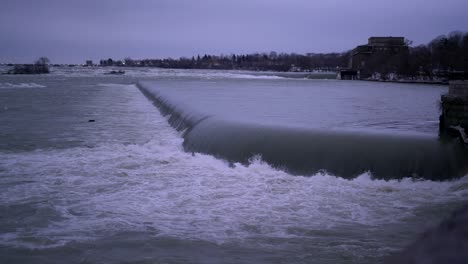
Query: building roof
[(386, 41)]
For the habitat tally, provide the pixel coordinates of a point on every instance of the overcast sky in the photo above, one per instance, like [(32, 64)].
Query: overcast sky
[(73, 31)]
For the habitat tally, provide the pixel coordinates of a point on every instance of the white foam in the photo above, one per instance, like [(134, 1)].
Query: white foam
[(161, 73), (117, 85), (157, 188), (20, 85), (216, 74)]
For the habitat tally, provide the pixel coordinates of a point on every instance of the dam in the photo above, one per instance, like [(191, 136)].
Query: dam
[(204, 177), (342, 128)]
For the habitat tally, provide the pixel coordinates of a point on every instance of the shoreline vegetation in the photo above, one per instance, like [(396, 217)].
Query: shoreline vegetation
[(40, 66), (442, 59), (411, 81)]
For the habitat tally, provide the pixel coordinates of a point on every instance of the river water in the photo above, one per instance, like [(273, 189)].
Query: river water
[(139, 185)]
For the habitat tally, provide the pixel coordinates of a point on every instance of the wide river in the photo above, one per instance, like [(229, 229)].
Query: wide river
[(186, 166)]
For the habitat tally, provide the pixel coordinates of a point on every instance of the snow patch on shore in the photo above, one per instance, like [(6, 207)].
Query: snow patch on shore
[(20, 85)]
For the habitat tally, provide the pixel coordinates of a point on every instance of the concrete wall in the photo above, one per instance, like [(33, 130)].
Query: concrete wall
[(455, 106), (458, 88)]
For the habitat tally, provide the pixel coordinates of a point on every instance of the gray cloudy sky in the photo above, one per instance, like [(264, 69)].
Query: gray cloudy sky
[(70, 31)]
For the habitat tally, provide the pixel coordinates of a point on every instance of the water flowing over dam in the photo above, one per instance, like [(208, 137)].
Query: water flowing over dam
[(346, 138), (130, 188)]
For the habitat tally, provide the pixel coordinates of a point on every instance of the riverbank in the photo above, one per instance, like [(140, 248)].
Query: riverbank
[(438, 82)]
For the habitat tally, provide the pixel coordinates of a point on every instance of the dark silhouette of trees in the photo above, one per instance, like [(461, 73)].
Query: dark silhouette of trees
[(40, 66), (128, 61), (419, 62), (42, 61), (256, 61), (443, 56)]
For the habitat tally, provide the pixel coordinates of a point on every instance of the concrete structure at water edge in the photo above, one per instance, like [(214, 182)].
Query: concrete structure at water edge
[(454, 106), (346, 75)]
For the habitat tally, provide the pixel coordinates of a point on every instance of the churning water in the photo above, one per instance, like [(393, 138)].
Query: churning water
[(344, 128), (124, 188)]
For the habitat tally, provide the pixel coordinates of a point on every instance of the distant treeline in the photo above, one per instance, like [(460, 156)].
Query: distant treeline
[(258, 61), (40, 66), (446, 53)]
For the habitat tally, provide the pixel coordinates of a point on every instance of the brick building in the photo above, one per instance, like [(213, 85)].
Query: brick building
[(380, 55)]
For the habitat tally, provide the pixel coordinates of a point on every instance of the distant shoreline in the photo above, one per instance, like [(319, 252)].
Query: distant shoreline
[(409, 81), (329, 75)]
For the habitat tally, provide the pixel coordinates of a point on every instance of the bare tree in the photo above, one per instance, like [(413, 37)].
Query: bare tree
[(42, 61)]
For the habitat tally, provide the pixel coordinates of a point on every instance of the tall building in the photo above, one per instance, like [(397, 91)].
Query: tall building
[(381, 55)]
